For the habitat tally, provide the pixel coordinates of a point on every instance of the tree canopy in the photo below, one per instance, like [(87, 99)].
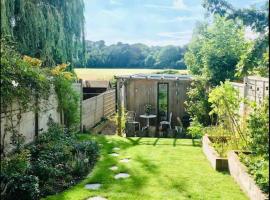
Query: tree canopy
[(133, 56), (215, 50), (52, 30), (255, 59)]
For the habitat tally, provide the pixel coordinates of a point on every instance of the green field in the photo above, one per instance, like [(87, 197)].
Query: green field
[(171, 169), (107, 74)]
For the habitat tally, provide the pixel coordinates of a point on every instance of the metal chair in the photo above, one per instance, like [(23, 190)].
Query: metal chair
[(167, 122), (131, 115)]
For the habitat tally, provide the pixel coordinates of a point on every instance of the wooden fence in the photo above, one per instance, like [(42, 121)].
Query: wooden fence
[(253, 89), (96, 108)]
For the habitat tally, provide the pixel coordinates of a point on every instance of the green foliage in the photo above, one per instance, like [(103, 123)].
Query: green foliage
[(195, 129), (255, 57), (256, 18), (225, 104), (50, 30), (197, 104), (221, 139), (16, 183), (258, 129), (68, 100), (54, 162), (258, 167), (23, 82), (255, 60), (215, 50), (134, 56)]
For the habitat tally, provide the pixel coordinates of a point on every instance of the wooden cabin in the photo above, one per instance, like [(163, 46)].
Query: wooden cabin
[(165, 93)]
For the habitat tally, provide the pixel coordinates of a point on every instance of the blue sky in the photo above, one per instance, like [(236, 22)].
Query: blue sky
[(152, 22)]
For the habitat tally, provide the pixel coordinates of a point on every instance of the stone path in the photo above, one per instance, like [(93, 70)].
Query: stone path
[(97, 198), (94, 186), (114, 154), (116, 149), (114, 168), (121, 176), (125, 160)]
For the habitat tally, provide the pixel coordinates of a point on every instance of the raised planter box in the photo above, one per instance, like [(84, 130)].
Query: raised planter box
[(217, 162), (239, 172)]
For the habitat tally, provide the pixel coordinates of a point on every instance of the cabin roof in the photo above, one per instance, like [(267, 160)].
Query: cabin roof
[(156, 76)]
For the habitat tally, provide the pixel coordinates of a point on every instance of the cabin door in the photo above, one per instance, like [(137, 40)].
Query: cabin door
[(163, 100)]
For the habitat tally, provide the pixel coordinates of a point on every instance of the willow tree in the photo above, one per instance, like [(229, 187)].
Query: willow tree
[(52, 30)]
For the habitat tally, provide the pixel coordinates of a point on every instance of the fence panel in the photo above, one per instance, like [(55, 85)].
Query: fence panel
[(95, 108)]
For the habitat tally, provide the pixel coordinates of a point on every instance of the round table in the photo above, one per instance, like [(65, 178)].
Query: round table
[(147, 117)]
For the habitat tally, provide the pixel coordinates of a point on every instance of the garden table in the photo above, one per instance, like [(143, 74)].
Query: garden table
[(147, 117)]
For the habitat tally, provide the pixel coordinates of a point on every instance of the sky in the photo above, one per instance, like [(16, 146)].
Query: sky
[(152, 22)]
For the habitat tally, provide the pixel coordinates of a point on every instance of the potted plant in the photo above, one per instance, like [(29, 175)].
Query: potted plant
[(148, 109)]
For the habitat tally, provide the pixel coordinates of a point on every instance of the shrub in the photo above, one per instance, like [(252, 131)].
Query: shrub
[(54, 162), (16, 183), (197, 104), (258, 129), (258, 167), (195, 129)]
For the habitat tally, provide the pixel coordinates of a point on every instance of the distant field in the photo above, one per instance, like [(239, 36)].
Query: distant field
[(107, 74)]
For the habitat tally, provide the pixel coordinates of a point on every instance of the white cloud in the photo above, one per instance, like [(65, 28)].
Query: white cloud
[(180, 19), (176, 35), (179, 4), (176, 5), (115, 2)]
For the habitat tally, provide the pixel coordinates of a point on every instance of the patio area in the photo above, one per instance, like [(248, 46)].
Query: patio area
[(151, 169), (153, 103)]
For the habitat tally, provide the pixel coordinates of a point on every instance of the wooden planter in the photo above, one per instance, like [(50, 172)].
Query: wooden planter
[(217, 162), (239, 172)]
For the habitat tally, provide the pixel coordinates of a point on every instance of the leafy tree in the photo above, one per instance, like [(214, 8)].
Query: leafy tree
[(135, 56), (225, 104), (216, 49), (255, 58), (197, 104), (51, 30)]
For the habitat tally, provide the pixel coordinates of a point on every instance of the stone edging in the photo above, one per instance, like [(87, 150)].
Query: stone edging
[(217, 162), (239, 172)]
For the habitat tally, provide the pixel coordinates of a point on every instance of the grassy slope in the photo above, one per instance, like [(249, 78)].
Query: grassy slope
[(107, 74), (160, 169)]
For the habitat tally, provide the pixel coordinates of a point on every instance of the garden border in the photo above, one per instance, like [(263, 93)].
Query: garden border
[(239, 172), (217, 162)]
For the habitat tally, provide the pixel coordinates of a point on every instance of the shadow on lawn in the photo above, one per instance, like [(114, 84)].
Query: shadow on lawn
[(102, 173)]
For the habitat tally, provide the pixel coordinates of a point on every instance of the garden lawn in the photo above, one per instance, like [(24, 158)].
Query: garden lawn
[(160, 169)]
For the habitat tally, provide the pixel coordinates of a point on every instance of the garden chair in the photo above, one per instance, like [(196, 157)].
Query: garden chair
[(167, 122), (131, 119)]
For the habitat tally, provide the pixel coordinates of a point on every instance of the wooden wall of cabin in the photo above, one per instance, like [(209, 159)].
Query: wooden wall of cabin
[(140, 92)]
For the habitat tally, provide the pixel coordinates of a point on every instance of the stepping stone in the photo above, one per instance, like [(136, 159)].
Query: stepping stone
[(125, 160), (116, 149), (121, 176), (114, 168), (97, 198), (114, 154), (94, 186)]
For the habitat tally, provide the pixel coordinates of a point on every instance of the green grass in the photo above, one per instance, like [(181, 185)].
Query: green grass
[(160, 169), (108, 74)]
